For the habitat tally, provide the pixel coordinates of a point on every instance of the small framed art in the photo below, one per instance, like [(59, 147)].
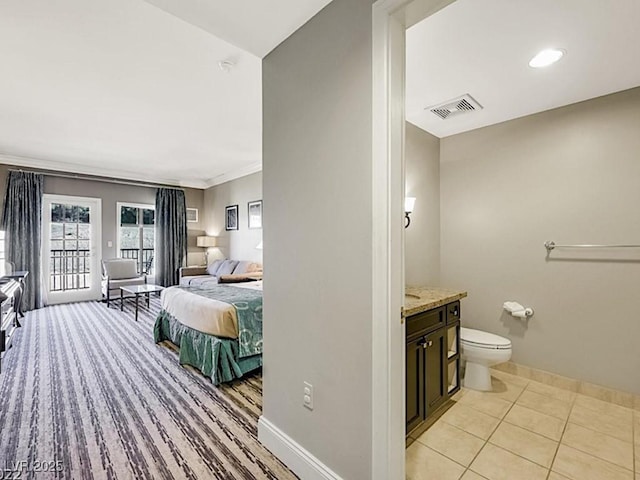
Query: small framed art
[(192, 215), (255, 214), (231, 217)]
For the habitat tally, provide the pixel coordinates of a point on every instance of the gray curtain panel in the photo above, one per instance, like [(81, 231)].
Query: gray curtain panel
[(171, 235), (22, 222)]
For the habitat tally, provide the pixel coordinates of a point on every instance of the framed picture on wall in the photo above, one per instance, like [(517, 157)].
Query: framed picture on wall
[(192, 215), (255, 214), (231, 217)]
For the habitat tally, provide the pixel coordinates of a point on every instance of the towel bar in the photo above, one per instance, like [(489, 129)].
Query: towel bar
[(550, 245)]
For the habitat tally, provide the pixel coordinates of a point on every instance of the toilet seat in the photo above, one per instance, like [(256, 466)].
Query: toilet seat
[(484, 340)]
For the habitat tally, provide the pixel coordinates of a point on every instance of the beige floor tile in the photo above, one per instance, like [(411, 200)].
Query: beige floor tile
[(529, 445), (537, 422), (553, 392), (578, 465), (616, 411), (496, 463), (557, 476), (452, 442), (471, 421), (504, 389), (469, 475), (599, 445), (602, 423), (543, 404), (459, 394), (422, 463), (486, 403), (636, 430)]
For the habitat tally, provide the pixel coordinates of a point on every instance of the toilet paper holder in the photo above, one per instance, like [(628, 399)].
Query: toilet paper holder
[(517, 310)]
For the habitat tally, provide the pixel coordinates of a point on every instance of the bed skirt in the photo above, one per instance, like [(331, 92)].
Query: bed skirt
[(217, 358)]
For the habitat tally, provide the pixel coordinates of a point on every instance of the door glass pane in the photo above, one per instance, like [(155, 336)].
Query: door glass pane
[(68, 265), (148, 237), (70, 231), (57, 213), (128, 216), (148, 216), (83, 215), (57, 230), (70, 213), (84, 230)]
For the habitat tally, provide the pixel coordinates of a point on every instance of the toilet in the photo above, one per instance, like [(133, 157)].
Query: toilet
[(482, 350)]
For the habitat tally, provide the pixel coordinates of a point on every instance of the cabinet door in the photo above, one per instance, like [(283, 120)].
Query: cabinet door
[(415, 383), (435, 375)]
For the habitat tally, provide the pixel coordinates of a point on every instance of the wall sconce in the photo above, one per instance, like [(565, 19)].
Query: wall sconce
[(259, 246), (206, 242), (409, 203)]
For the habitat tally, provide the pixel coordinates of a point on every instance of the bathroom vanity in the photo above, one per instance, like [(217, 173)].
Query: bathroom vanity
[(433, 351)]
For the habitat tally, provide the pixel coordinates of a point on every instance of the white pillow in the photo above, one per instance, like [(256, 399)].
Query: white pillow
[(212, 269)]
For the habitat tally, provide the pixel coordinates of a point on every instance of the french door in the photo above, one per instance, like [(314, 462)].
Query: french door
[(71, 248)]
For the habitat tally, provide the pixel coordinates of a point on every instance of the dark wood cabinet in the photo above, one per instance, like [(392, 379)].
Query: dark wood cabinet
[(432, 364), (415, 383), (435, 367)]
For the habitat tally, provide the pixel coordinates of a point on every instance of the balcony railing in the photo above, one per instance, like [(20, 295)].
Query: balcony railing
[(71, 269), (145, 264)]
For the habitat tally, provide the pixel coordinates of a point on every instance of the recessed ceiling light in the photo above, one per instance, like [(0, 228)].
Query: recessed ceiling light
[(546, 57)]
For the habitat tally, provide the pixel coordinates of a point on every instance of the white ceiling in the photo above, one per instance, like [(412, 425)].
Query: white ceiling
[(482, 47), (123, 88), (253, 25)]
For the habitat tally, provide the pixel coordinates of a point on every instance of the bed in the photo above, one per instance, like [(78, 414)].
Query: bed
[(218, 328)]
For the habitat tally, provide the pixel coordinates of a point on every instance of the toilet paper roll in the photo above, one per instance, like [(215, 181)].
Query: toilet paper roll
[(520, 314)]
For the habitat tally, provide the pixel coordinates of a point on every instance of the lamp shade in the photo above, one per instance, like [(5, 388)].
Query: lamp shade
[(409, 203), (206, 241)]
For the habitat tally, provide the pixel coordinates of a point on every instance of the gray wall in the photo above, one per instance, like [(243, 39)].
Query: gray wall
[(571, 175), (237, 244), (422, 238), (318, 259), (111, 193)]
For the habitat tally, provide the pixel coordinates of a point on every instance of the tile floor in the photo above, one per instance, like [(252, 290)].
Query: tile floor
[(525, 430)]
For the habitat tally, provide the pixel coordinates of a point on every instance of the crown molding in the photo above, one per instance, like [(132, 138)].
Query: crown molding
[(234, 174), (68, 167)]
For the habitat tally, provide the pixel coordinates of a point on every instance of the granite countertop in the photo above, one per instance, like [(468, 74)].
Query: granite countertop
[(421, 299)]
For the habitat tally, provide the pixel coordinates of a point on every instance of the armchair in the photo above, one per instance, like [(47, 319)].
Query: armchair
[(119, 272)]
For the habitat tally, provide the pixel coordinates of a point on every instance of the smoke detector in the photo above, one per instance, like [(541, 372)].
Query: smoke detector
[(457, 106), (226, 65)]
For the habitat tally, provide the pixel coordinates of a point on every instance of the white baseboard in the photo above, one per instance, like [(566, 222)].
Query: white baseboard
[(292, 454)]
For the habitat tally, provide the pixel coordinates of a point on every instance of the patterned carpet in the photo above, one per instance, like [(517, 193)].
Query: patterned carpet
[(86, 392)]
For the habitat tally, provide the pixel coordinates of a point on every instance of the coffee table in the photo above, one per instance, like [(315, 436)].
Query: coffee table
[(138, 290)]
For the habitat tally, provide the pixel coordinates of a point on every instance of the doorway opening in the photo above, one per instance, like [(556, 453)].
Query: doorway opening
[(71, 248)]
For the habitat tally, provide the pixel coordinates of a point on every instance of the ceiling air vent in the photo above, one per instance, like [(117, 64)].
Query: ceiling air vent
[(452, 108)]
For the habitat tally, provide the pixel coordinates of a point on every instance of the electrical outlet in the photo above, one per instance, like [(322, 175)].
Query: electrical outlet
[(307, 399)]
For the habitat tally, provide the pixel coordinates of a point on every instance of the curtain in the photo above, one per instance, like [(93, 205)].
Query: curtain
[(22, 222), (171, 235)]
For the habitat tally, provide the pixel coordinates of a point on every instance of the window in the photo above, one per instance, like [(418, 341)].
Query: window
[(136, 234)]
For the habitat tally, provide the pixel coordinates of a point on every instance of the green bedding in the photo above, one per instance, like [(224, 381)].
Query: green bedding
[(217, 358), (248, 305)]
